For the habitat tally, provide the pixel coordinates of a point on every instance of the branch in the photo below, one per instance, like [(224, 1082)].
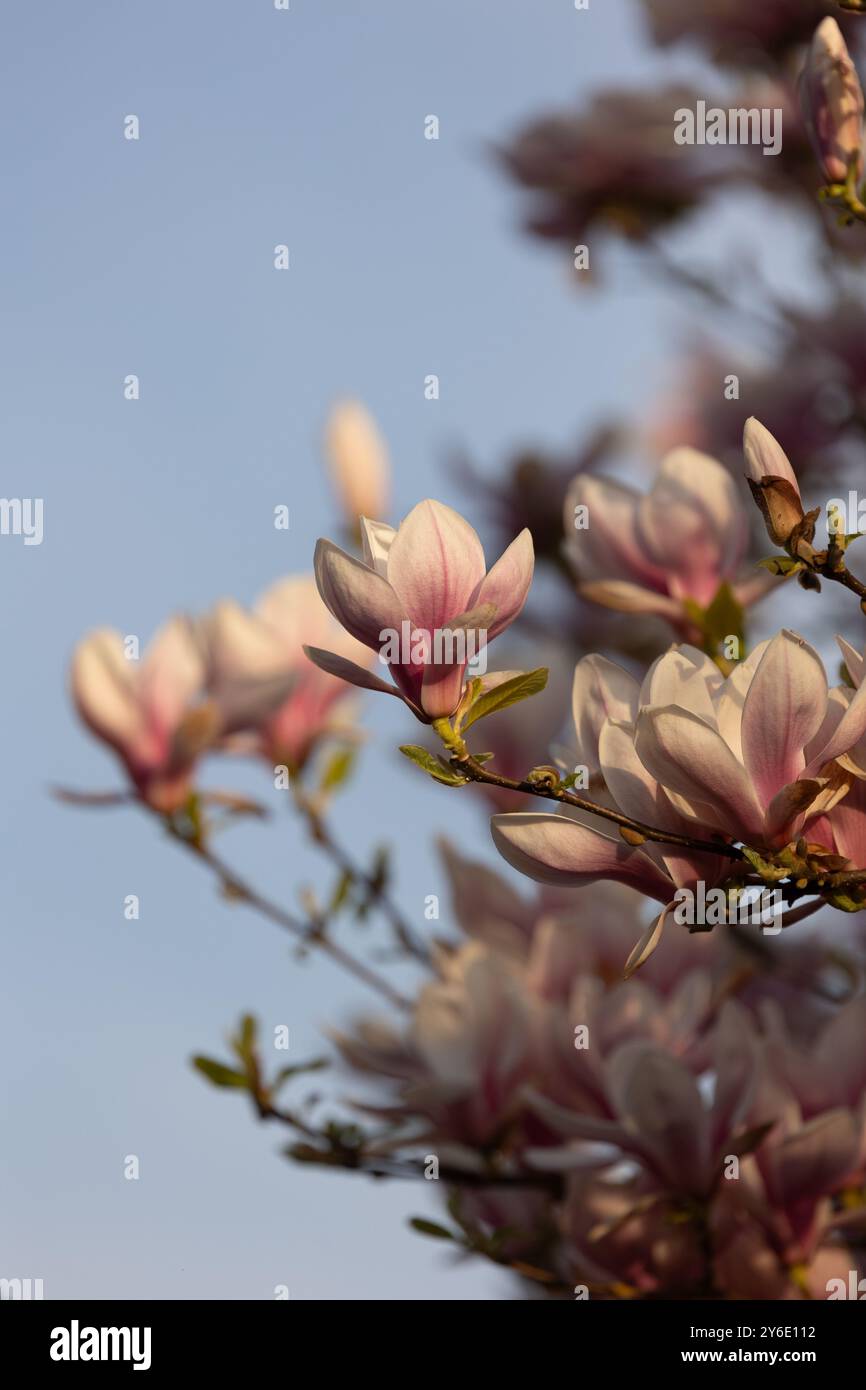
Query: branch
[(308, 933), (552, 790), (375, 892)]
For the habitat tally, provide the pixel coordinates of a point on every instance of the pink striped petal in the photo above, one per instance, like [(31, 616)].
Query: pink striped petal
[(765, 457), (507, 584), (782, 712), (358, 597), (435, 564), (688, 757), (562, 851)]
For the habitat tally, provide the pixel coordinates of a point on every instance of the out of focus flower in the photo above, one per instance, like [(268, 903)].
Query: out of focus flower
[(832, 101), (191, 691), (423, 600), (742, 32), (614, 166), (806, 398), (358, 461), (294, 613), (528, 1059), (652, 553)]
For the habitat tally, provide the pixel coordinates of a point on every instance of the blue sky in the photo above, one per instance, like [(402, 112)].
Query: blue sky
[(155, 257)]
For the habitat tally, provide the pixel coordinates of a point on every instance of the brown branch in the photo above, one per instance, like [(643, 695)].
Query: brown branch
[(477, 772), (375, 893), (307, 933)]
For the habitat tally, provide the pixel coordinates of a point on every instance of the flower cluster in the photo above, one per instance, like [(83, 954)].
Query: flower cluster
[(529, 1065)]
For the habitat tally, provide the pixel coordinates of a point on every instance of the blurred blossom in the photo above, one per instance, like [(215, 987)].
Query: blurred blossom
[(614, 166), (527, 1054), (832, 101), (805, 397), (743, 32), (358, 461), (194, 687), (422, 589), (294, 614), (649, 553)]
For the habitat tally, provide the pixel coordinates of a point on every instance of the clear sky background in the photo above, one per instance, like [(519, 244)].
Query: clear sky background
[(156, 258)]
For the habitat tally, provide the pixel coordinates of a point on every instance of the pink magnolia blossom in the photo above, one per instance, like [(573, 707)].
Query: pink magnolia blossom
[(748, 758), (190, 691), (649, 553), (358, 462), (832, 101), (424, 590), (294, 613)]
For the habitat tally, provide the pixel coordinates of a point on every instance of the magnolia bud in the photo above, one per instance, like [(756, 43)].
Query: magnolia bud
[(832, 103), (772, 481), (780, 507), (358, 462)]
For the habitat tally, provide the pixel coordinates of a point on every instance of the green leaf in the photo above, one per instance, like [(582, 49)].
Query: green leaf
[(338, 769), (433, 766), (300, 1069), (723, 618), (430, 1228), (770, 873), (781, 564), (219, 1074), (340, 893), (244, 1044), (508, 693), (845, 902)]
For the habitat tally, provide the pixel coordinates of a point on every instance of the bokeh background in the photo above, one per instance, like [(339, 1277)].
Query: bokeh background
[(155, 257)]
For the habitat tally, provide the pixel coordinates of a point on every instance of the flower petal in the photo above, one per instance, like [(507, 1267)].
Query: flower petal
[(359, 598), (348, 671), (782, 712), (103, 689), (562, 851), (688, 757), (601, 690), (507, 584), (765, 457), (435, 564)]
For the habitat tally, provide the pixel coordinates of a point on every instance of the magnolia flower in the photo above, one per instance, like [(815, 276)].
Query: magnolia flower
[(736, 31), (612, 166), (832, 101), (750, 757), (292, 611), (652, 553), (358, 462), (421, 598), (196, 685), (772, 482)]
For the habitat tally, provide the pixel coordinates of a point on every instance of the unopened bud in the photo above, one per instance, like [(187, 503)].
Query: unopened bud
[(780, 507), (358, 462), (832, 101)]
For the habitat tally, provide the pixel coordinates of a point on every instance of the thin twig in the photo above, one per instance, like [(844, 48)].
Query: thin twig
[(477, 772), (309, 934)]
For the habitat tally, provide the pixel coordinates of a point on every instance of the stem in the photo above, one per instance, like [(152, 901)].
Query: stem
[(846, 578), (377, 1166), (309, 933), (359, 878), (477, 772)]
